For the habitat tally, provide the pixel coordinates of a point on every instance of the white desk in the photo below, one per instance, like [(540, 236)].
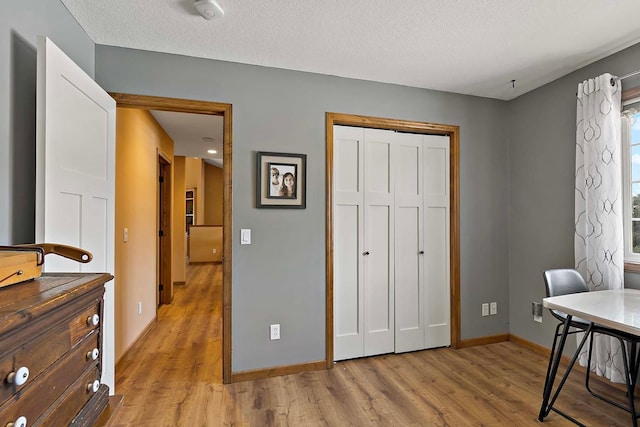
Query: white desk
[(617, 309), (614, 308)]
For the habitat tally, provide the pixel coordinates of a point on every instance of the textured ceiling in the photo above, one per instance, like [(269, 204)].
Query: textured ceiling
[(473, 47)]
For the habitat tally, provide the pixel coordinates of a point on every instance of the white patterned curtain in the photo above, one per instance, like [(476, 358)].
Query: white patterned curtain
[(598, 244)]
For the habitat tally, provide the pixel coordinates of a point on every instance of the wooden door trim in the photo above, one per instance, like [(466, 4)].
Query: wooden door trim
[(217, 109), (454, 163)]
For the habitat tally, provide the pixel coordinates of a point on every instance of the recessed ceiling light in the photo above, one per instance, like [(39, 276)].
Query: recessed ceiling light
[(211, 151)]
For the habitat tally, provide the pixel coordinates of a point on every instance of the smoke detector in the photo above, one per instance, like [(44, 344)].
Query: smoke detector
[(209, 9)]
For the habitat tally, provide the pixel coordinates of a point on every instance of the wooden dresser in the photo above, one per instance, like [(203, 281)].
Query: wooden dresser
[(51, 351)]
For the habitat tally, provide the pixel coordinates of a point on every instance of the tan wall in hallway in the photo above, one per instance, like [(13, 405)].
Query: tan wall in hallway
[(179, 223), (194, 178), (138, 140), (213, 195)]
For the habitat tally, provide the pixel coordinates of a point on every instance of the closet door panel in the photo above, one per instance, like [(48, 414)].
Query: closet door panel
[(437, 278), (348, 208), (378, 242), (437, 248), (409, 281), (378, 311), (347, 284)]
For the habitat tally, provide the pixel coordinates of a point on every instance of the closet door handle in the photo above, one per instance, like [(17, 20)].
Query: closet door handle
[(421, 252), (365, 253)]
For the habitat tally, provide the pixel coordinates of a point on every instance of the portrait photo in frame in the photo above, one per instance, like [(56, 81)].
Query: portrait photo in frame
[(281, 180)]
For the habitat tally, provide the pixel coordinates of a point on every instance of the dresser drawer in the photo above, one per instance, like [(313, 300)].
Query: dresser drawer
[(83, 324), (36, 396), (69, 404), (36, 355)]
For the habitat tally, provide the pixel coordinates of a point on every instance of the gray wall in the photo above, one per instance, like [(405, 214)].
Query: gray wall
[(279, 278), (541, 189), (20, 23)]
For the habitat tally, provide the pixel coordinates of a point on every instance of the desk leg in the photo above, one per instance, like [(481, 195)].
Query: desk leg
[(554, 361), (547, 405)]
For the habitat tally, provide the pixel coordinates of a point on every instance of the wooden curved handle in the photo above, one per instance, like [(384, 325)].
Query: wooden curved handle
[(66, 251)]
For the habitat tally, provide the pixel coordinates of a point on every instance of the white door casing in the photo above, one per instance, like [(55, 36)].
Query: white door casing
[(75, 174)]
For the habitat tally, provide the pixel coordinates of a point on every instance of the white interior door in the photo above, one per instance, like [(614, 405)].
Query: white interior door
[(437, 241), (348, 281), (75, 174), (378, 250), (409, 244)]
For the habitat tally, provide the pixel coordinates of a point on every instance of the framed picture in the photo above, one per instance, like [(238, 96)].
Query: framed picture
[(281, 180)]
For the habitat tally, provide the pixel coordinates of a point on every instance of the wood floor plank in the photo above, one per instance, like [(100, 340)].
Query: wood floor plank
[(172, 377)]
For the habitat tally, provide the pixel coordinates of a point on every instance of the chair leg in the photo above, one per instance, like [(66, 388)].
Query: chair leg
[(631, 366), (566, 373)]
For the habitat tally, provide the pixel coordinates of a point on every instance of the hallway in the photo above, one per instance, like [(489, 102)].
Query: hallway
[(166, 378)]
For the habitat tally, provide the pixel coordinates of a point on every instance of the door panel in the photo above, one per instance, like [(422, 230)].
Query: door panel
[(75, 173), (437, 254), (347, 243), (347, 283), (409, 274), (379, 316)]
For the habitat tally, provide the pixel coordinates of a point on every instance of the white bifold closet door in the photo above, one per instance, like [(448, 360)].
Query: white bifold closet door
[(363, 249), (422, 290), (391, 242)]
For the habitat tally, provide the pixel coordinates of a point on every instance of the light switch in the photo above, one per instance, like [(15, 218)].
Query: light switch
[(125, 235), (245, 236)]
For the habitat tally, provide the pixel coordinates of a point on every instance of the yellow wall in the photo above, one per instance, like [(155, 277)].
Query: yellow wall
[(178, 269), (194, 178), (213, 195), (205, 243), (138, 140)]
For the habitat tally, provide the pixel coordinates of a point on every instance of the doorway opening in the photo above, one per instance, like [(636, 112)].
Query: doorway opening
[(165, 290), (217, 109)]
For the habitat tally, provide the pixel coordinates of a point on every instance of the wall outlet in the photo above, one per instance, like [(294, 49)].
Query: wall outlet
[(139, 307), (493, 308), (485, 309), (536, 311), (214, 250), (274, 332)]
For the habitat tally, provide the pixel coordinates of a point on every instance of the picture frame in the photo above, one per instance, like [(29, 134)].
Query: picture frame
[(281, 180)]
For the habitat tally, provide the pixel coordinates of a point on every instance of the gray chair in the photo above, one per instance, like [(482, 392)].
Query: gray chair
[(569, 281)]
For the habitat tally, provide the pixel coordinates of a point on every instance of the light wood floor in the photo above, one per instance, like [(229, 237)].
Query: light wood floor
[(172, 377)]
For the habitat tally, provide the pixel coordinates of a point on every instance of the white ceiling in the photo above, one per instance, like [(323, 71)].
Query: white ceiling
[(473, 47), (188, 132)]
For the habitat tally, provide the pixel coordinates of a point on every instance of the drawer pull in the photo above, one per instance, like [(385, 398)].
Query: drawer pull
[(94, 386), (93, 354), (20, 422), (93, 320), (18, 377)]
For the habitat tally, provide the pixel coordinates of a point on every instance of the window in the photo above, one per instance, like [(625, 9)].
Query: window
[(631, 180)]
